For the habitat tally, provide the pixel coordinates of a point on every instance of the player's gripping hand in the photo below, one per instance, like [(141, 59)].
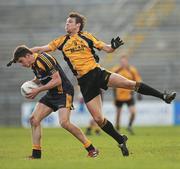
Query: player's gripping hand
[(33, 93), (115, 43)]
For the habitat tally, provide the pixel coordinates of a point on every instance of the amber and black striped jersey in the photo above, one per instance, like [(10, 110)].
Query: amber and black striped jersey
[(44, 66), (130, 73), (78, 51)]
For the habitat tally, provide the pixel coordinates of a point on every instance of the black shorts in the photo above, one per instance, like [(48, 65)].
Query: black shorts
[(58, 101), (129, 103), (92, 83)]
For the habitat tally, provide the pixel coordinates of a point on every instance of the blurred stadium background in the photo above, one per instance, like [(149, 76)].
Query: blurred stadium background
[(150, 29)]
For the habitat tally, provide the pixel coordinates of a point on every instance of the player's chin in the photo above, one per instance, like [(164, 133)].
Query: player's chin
[(68, 31)]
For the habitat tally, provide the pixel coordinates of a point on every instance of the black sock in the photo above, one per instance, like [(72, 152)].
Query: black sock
[(91, 147), (36, 153), (110, 130), (147, 90)]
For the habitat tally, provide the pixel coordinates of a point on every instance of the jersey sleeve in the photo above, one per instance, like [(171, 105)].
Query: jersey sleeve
[(48, 63), (56, 43), (97, 43)]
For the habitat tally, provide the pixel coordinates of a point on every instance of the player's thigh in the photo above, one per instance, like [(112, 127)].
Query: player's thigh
[(131, 105), (40, 112), (118, 81), (119, 105), (132, 109), (119, 110), (95, 108)]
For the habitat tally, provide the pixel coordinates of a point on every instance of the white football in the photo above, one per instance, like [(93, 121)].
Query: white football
[(27, 87)]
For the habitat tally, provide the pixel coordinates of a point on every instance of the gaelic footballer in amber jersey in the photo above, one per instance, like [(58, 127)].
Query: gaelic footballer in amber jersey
[(130, 73), (78, 51)]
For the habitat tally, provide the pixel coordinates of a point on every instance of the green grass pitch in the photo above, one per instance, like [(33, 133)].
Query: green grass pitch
[(150, 148)]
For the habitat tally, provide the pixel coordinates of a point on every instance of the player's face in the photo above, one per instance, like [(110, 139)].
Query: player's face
[(25, 61), (71, 25), (124, 62)]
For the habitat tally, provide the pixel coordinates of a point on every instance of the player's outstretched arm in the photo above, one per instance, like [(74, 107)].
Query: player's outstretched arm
[(39, 49), (115, 43)]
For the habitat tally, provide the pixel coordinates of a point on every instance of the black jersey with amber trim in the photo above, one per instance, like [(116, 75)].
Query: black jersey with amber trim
[(44, 66)]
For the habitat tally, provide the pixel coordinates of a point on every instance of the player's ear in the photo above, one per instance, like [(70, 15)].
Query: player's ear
[(79, 24)]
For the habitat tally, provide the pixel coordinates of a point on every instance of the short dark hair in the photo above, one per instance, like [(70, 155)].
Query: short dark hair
[(20, 51), (79, 19)]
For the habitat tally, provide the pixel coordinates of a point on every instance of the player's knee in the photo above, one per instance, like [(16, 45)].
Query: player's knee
[(99, 120), (129, 84), (33, 121), (133, 113), (64, 123)]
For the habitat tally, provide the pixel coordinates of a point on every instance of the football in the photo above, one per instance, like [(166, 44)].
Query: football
[(27, 87)]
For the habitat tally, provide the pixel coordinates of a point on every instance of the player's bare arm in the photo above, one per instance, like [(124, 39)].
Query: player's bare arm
[(107, 48), (39, 49), (55, 81)]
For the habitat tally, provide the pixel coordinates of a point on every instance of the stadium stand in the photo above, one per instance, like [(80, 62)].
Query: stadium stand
[(150, 29)]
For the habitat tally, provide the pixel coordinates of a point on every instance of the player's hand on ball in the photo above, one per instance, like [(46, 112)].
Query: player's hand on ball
[(33, 93), (115, 43)]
